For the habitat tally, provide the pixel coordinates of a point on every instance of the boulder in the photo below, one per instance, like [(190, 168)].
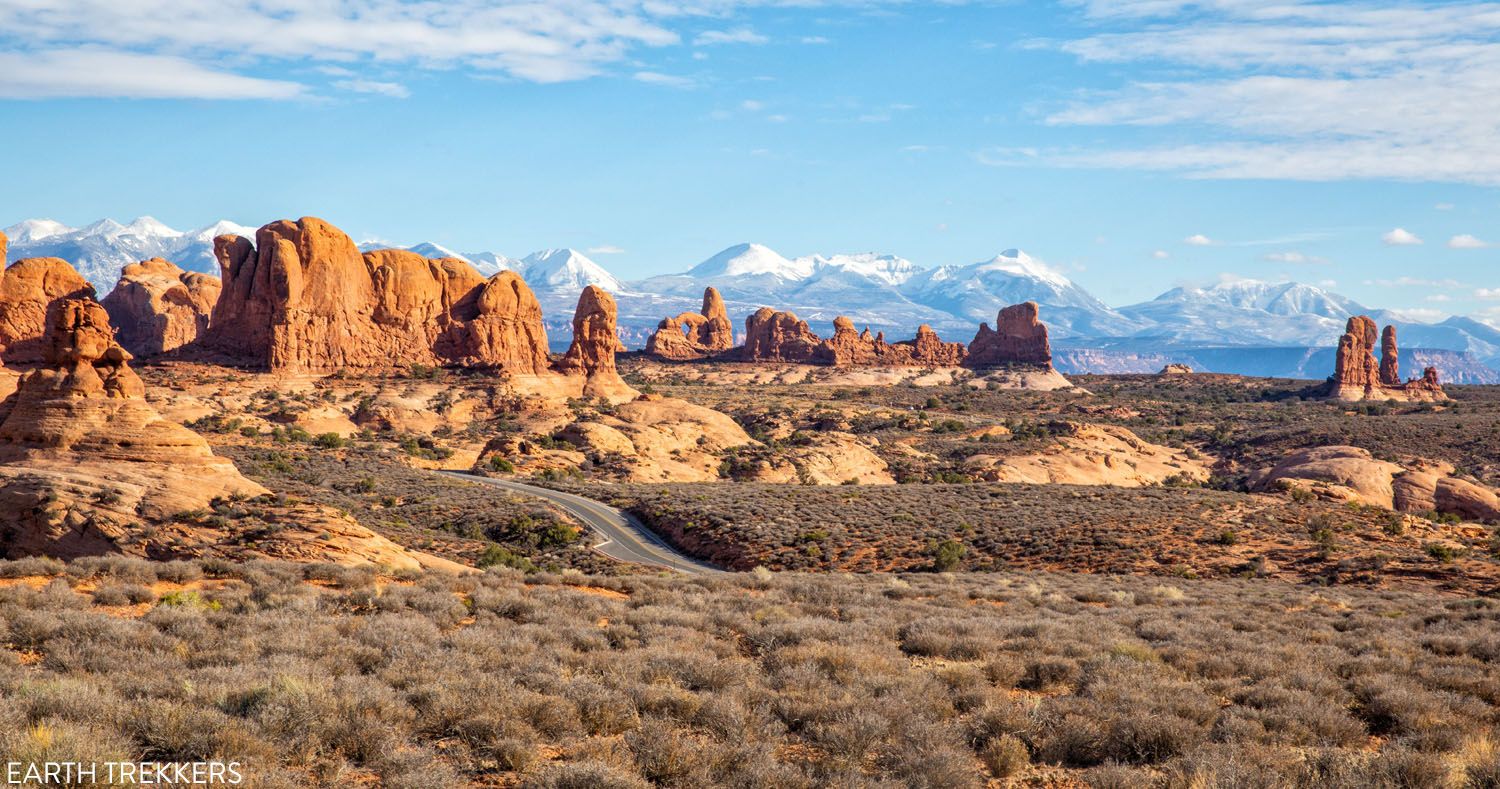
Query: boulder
[(1345, 473), (158, 307), (694, 335), (303, 297), (1018, 339), (27, 288), (772, 336)]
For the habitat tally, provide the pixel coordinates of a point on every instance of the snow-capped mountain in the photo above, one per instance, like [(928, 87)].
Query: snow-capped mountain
[(975, 292), (566, 270), (101, 249), (1241, 312)]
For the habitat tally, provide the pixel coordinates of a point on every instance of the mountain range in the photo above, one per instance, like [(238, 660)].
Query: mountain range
[(1247, 326)]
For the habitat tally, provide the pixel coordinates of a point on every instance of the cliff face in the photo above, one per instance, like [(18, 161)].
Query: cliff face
[(1019, 338), (694, 335), (158, 307), (772, 336), (302, 297), (1357, 375)]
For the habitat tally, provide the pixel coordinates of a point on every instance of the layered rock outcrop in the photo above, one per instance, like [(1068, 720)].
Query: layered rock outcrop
[(694, 335), (850, 348), (1018, 339), (1357, 375), (772, 336), (27, 288), (88, 467), (302, 297), (158, 307), (1352, 474)]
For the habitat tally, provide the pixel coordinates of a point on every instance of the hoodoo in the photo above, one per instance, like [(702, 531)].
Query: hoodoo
[(772, 336), (595, 342), (1018, 339), (1357, 375), (850, 348)]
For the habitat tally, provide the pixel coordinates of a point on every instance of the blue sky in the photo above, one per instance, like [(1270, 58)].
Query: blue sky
[(1133, 145)]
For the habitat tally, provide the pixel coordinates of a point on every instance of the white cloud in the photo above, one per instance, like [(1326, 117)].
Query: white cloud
[(742, 35), (1439, 298), (1487, 293), (90, 73), (751, 105), (1293, 256), (1466, 241), (668, 80), (1421, 314), (1198, 240), (1297, 89), (606, 249), (1160, 254), (179, 49), (1414, 282), (777, 118), (814, 40), (1400, 237), (1443, 207), (394, 90)]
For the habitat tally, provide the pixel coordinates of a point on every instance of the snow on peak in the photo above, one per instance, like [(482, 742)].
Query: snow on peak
[(35, 230), (104, 227), (752, 259), (1014, 261), (887, 269), (223, 227), (428, 249), (150, 226), (566, 269)]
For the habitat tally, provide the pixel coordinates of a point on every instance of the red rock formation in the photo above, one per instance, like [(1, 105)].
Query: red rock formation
[(848, 348), (595, 340), (1358, 376), (303, 297), (1390, 364), (158, 307), (27, 288), (694, 335), (772, 336), (1019, 338)]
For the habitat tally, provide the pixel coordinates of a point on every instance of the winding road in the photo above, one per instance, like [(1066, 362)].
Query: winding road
[(625, 538)]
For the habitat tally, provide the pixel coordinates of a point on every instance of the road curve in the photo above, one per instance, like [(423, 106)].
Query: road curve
[(625, 538)]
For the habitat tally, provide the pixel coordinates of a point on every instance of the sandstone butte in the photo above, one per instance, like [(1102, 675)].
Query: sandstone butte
[(158, 307), (26, 288), (1358, 376), (694, 335), (1019, 340), (303, 297), (86, 463)]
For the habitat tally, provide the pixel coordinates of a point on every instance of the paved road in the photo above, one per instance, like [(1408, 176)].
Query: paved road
[(624, 537)]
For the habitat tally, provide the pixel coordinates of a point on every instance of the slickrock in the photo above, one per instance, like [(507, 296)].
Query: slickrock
[(158, 307), (1358, 376), (850, 348), (1018, 339), (694, 335), (1176, 369), (772, 336), (27, 288), (87, 465), (302, 297), (1345, 473), (1085, 454)]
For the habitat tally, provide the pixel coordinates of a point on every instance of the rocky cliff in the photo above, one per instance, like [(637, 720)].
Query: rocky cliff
[(88, 467), (27, 287), (694, 335), (1357, 375), (1018, 339), (158, 307), (302, 297)]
